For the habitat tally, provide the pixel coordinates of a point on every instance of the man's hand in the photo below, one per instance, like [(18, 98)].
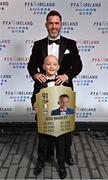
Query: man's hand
[(40, 77), (61, 79)]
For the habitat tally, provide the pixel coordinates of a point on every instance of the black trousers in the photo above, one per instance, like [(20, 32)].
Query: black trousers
[(68, 144), (45, 147), (62, 144), (50, 148)]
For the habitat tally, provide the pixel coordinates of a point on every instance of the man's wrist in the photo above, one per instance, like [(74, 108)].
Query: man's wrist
[(35, 76), (66, 78)]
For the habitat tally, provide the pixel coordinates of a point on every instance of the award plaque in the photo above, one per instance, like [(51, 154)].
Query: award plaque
[(50, 119)]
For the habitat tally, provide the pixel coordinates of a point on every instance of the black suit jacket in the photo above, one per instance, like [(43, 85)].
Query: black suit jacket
[(70, 62)]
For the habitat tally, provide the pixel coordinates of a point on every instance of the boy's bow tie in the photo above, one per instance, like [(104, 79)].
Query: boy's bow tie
[(50, 80), (54, 41), (62, 110)]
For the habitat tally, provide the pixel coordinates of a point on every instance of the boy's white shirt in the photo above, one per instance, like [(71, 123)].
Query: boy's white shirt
[(63, 113), (52, 83)]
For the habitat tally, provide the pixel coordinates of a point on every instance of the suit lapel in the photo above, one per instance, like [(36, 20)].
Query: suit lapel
[(44, 43), (63, 44), (67, 111)]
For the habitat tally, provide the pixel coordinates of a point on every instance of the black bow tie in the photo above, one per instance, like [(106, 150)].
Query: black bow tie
[(50, 80), (52, 41)]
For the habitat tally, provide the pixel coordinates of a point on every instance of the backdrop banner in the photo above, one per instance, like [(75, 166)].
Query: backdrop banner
[(22, 22), (50, 119)]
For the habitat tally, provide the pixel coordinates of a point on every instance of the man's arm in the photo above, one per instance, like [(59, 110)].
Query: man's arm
[(71, 64), (35, 63), (74, 60)]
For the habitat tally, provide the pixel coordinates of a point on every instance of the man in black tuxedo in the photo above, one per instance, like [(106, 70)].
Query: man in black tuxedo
[(70, 66)]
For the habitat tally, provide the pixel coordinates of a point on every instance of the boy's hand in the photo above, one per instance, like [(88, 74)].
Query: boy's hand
[(35, 107)]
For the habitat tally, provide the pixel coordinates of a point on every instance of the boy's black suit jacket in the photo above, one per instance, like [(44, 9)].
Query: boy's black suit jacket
[(69, 59)]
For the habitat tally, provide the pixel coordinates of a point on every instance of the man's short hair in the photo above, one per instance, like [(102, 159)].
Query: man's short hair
[(53, 13)]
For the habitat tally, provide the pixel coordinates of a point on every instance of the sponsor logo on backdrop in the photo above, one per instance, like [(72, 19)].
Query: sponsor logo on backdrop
[(29, 42), (3, 5), (17, 62), (4, 43), (85, 80), (83, 113), (68, 26), (101, 26), (28, 77), (100, 96), (17, 26), (39, 8), (30, 110), (85, 8), (100, 62), (5, 111), (4, 78), (19, 96), (87, 45)]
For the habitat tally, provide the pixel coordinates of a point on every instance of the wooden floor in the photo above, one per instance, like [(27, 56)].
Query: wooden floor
[(18, 153)]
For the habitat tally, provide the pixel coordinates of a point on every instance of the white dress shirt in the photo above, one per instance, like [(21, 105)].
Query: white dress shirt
[(53, 49)]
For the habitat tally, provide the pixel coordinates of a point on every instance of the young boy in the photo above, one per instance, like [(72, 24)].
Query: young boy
[(63, 109), (51, 67)]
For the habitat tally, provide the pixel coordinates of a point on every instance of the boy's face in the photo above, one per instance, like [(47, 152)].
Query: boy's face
[(51, 66), (64, 102)]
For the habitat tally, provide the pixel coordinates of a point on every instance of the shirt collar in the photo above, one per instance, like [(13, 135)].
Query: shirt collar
[(63, 110), (51, 77)]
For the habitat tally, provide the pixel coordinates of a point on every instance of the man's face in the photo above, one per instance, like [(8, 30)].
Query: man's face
[(64, 102), (53, 26)]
